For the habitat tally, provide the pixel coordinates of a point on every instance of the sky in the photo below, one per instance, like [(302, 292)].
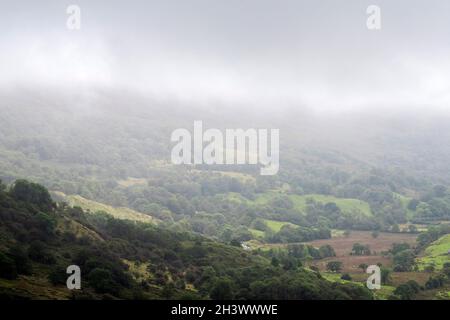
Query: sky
[(317, 54)]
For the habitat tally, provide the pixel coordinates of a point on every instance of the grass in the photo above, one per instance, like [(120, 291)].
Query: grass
[(242, 177), (405, 201), (94, 206), (256, 233), (348, 206), (79, 230), (34, 287), (276, 226), (382, 294), (132, 182), (237, 198), (436, 254), (138, 270)]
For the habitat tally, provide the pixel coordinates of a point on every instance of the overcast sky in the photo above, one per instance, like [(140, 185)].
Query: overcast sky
[(315, 53)]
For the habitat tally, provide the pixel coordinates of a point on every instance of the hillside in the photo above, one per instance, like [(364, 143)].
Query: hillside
[(130, 259), (94, 207), (436, 254), (111, 160)]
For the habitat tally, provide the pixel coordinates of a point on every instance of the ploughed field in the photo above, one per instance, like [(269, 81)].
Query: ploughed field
[(343, 245)]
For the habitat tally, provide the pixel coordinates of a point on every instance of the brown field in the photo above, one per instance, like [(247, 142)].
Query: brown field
[(343, 246)]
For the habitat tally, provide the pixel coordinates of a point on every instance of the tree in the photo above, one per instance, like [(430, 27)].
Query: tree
[(275, 262), (439, 191), (32, 193), (408, 290), (412, 229), (46, 222), (446, 269), (168, 290), (398, 247), (102, 281), (334, 266), (413, 203), (260, 225), (435, 282), (326, 251), (222, 290), (7, 267), (40, 253), (21, 260), (360, 250), (385, 275), (404, 261), (363, 267), (57, 275)]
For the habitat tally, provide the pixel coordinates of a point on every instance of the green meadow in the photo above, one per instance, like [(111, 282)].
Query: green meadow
[(436, 254)]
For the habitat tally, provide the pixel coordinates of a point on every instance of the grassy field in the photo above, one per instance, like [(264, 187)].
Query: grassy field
[(436, 254), (242, 177), (256, 233), (381, 294), (132, 182), (348, 206), (93, 206), (276, 226)]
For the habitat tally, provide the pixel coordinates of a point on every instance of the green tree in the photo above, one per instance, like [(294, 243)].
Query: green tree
[(57, 275), (21, 260), (363, 267), (408, 290), (327, 251), (360, 250), (334, 266), (7, 267), (102, 281), (385, 275), (32, 193), (404, 261), (222, 290), (168, 290)]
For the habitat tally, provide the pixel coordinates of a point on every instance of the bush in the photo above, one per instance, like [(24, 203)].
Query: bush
[(408, 290), (222, 290), (33, 193), (21, 260), (435, 282), (58, 275), (346, 276), (38, 252), (404, 261), (7, 267), (102, 281), (334, 266)]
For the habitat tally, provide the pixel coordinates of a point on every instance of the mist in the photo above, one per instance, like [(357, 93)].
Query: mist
[(255, 55)]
